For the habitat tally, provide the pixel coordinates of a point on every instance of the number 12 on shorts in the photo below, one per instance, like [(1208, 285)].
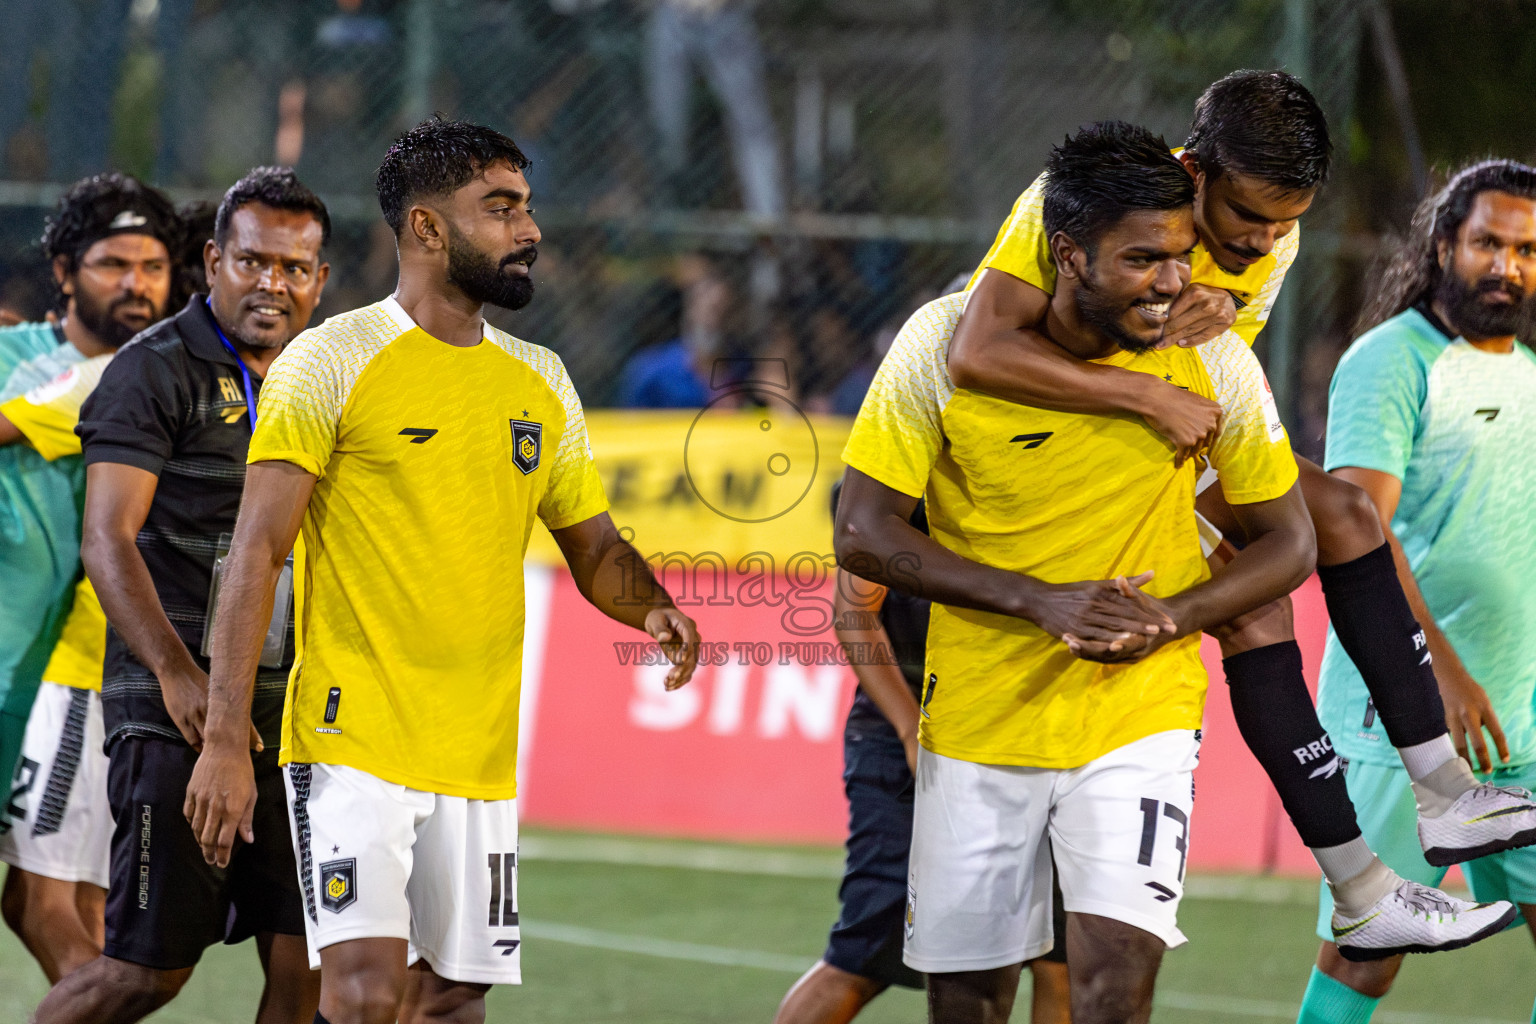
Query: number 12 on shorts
[(1149, 820)]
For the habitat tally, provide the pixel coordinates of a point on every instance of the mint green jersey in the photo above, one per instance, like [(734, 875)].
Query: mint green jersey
[(40, 506), (1457, 426)]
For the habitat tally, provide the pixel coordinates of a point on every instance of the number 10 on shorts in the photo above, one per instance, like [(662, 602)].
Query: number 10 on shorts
[(503, 889)]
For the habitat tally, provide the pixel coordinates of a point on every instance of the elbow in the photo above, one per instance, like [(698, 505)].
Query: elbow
[(964, 371), (854, 545), (95, 552)]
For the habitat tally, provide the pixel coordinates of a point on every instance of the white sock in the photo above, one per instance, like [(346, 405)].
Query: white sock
[(1437, 791), (1423, 758), (1355, 895)]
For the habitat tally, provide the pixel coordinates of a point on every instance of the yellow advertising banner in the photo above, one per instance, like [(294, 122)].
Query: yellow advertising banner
[(722, 481)]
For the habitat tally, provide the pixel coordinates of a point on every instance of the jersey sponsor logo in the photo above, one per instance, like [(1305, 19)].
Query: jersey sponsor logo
[(338, 884), (419, 435), (1031, 441), (1488, 415), (527, 441), (507, 946)]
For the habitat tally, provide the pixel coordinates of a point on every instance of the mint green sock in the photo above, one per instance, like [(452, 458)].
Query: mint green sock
[(1333, 1002), (1533, 1015)]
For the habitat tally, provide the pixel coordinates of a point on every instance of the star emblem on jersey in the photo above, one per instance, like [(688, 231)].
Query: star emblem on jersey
[(338, 884), (527, 440)]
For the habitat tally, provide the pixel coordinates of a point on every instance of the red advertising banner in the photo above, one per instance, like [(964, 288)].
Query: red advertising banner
[(752, 748)]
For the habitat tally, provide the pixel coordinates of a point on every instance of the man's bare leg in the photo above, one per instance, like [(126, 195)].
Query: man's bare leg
[(290, 991), (973, 997), (1051, 1000), (826, 995), (49, 916), (362, 981), (1113, 966), (437, 1000), (108, 991)]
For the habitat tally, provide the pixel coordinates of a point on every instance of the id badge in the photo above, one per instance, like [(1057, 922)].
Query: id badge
[(282, 604)]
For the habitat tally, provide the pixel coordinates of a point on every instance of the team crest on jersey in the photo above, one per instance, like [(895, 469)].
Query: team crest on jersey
[(527, 441), (338, 884)]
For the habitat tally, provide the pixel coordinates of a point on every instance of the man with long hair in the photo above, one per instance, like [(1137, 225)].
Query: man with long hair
[(1430, 412)]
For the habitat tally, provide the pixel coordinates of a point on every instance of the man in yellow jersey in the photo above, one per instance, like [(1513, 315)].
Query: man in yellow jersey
[(1061, 701), (1258, 150), (110, 247), (164, 438), (416, 446)]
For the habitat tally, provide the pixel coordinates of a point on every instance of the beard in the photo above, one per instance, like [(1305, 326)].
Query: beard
[(1106, 315), (1475, 317), (487, 282), (100, 318)]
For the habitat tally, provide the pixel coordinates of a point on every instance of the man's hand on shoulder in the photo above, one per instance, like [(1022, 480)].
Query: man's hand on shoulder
[(1199, 314), (1188, 421)]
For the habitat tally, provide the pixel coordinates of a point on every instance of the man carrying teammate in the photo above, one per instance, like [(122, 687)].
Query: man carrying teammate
[(1257, 151), (110, 247), (1028, 746), (165, 437), (416, 445), (1430, 412)]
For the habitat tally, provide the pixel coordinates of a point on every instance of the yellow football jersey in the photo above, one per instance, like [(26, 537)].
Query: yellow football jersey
[(1062, 497), (46, 417), (433, 462), (1021, 249)]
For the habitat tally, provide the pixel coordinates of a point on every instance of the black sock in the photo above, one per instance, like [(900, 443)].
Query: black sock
[(1274, 713), (1377, 630), (320, 1018)]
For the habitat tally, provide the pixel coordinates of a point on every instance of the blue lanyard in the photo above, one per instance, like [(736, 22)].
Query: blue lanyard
[(245, 374)]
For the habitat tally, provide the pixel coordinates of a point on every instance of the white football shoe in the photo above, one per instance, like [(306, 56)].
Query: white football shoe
[(1414, 918), (1485, 819)]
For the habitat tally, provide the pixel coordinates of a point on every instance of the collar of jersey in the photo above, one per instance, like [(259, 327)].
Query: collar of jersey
[(403, 321)]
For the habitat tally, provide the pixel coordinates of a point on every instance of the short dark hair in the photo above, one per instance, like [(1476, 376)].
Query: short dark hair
[(1105, 171), (435, 158), (277, 187), (108, 204), (1412, 273), (1264, 124)]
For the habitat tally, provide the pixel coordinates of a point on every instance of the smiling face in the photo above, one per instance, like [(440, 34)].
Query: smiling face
[(1139, 266), (1487, 275), (266, 279), (119, 286), (492, 238), (1240, 218)]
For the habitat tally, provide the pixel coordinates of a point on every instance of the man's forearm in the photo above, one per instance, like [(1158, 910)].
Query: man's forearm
[(889, 551), (1025, 367), (239, 628), (127, 593), (1274, 563), (1439, 645), (619, 583)]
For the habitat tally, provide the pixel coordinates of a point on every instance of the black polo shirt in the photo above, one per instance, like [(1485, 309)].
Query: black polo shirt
[(172, 402)]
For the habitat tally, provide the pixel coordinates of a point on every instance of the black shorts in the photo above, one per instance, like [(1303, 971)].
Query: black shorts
[(869, 933), (166, 904)]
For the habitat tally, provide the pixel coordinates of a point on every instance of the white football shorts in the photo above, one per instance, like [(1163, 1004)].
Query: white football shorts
[(60, 823), (979, 877), (379, 860)]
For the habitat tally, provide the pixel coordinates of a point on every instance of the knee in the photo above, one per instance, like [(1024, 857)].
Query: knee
[(1345, 520), (1106, 997), (1269, 624), (360, 997), (146, 989)]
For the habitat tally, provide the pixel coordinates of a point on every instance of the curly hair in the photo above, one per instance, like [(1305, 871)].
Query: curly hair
[(1411, 273), (94, 208), (277, 187), (435, 158)]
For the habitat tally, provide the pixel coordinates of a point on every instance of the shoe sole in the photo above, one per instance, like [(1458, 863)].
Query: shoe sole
[(1444, 856), (1358, 954)]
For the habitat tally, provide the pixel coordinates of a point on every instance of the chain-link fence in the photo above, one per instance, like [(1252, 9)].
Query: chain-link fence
[(786, 179)]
